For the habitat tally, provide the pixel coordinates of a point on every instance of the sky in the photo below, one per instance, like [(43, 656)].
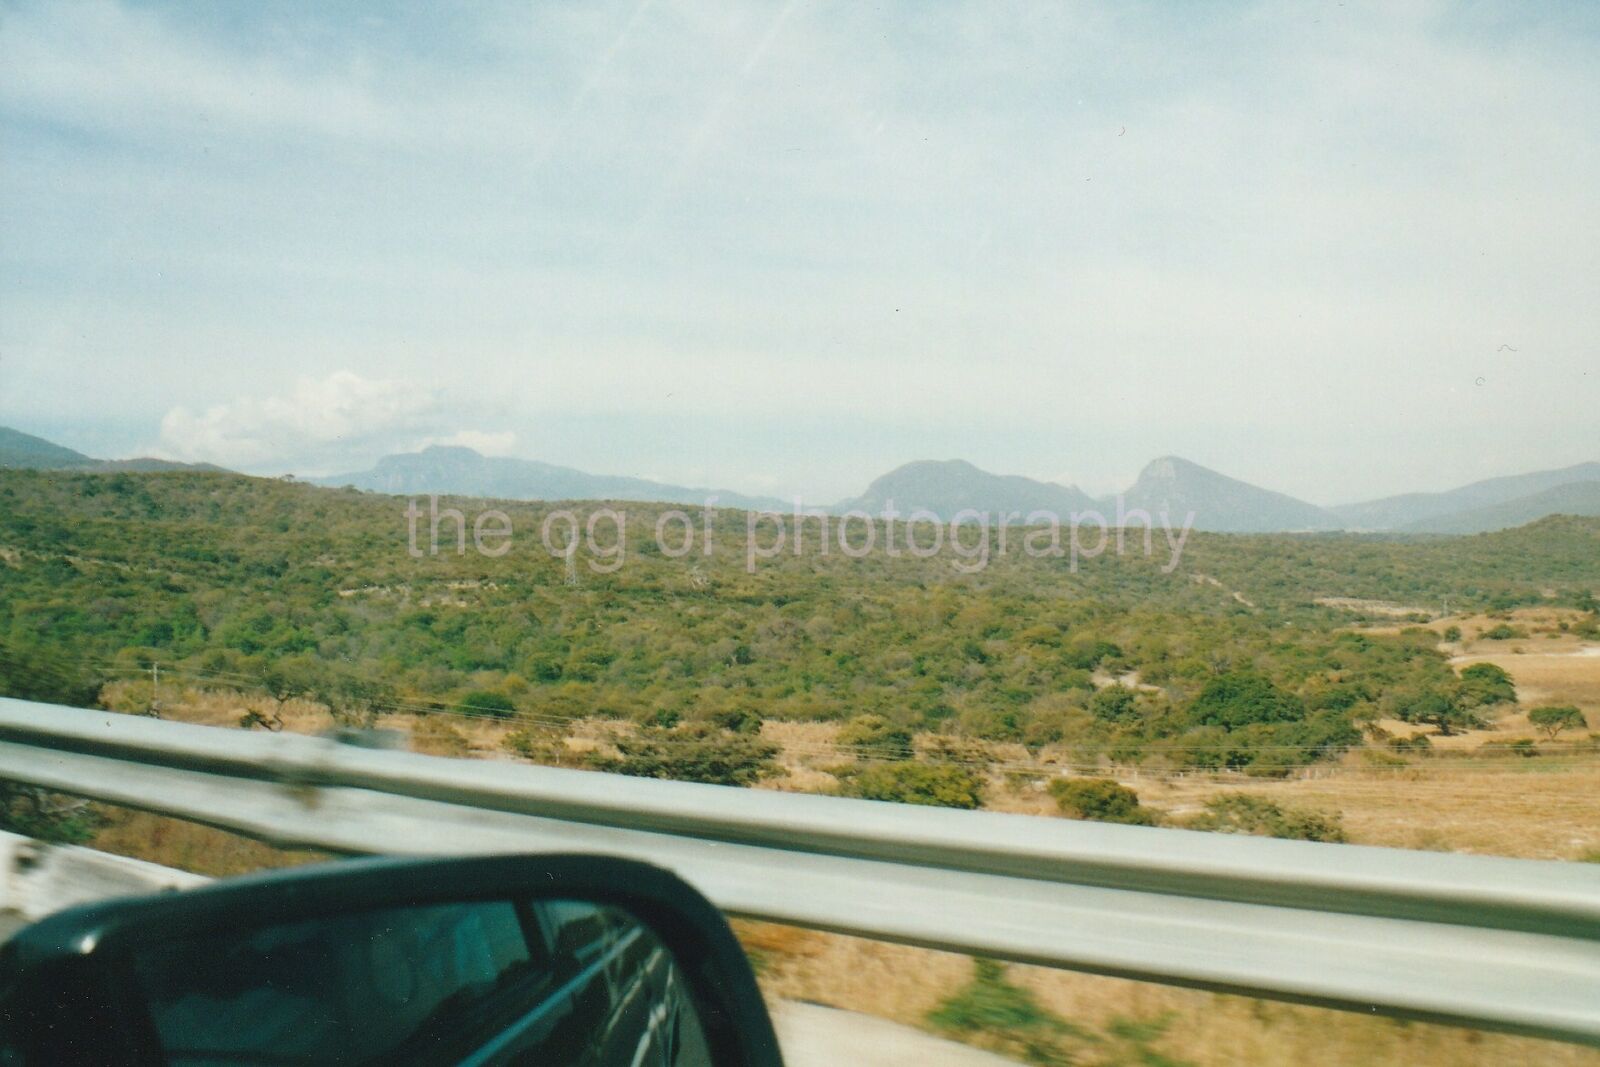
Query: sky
[(1340, 250)]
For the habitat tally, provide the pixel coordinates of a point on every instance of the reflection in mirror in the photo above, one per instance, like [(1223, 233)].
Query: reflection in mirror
[(548, 982)]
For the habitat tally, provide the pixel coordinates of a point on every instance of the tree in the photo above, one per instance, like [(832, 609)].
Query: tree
[(32, 673), (1242, 698), (932, 784), (1553, 719), (486, 702), (1099, 800), (692, 752), (1435, 708), (1484, 685), (876, 737)]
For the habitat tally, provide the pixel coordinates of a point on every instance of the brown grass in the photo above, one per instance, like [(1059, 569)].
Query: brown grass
[(189, 846), (1208, 1030), (1539, 808)]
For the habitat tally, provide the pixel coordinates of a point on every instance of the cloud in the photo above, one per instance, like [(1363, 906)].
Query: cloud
[(662, 236), (318, 420)]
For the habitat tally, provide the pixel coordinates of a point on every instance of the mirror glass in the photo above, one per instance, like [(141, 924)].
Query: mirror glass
[(549, 982)]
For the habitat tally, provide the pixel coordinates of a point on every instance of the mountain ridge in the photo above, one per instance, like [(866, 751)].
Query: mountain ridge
[(1572, 498), (24, 451), (1220, 504), (946, 487), (461, 471), (1169, 484), (1414, 511)]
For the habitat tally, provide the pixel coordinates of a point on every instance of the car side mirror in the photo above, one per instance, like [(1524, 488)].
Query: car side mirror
[(554, 959)]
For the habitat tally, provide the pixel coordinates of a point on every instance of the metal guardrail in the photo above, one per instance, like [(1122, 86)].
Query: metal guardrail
[(1501, 944), (37, 879)]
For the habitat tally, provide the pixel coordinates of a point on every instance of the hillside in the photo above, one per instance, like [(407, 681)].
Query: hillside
[(295, 589), (950, 486), (21, 451), (25, 451), (1220, 504), (1574, 498), (459, 471), (1416, 511)]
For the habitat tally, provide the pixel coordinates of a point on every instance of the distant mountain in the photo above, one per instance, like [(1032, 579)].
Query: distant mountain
[(1220, 504), (459, 471), (945, 487), (1574, 498), (151, 465), (1413, 511), (23, 450), (18, 449)]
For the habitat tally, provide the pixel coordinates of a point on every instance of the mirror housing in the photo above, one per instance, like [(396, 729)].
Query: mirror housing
[(85, 986)]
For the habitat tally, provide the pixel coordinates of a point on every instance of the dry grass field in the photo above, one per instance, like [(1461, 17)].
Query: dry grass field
[(1204, 1029), (1547, 807)]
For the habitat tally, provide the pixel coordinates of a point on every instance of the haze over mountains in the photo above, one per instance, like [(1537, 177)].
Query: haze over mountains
[(946, 487), (461, 471), (1169, 485), (1220, 504), (1440, 511), (23, 450)]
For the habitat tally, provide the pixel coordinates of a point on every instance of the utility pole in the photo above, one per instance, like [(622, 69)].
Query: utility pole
[(155, 690)]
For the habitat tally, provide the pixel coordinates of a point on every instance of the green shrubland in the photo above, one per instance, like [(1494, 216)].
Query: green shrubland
[(296, 591)]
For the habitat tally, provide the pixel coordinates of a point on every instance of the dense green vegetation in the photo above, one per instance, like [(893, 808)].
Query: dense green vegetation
[(1100, 800), (941, 785), (299, 591)]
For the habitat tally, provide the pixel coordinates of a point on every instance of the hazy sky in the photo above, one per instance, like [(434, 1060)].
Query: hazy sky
[(1336, 249)]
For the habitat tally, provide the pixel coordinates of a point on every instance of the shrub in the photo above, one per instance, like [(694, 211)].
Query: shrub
[(43, 816), (433, 736), (1553, 719), (1114, 704), (738, 720), (692, 752), (487, 702), (875, 736), (1099, 800), (990, 1012), (1452, 633), (1504, 632), (932, 784), (1242, 813), (540, 745), (1088, 654)]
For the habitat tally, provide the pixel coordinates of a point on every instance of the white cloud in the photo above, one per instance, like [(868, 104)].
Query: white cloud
[(319, 419), (1050, 239)]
